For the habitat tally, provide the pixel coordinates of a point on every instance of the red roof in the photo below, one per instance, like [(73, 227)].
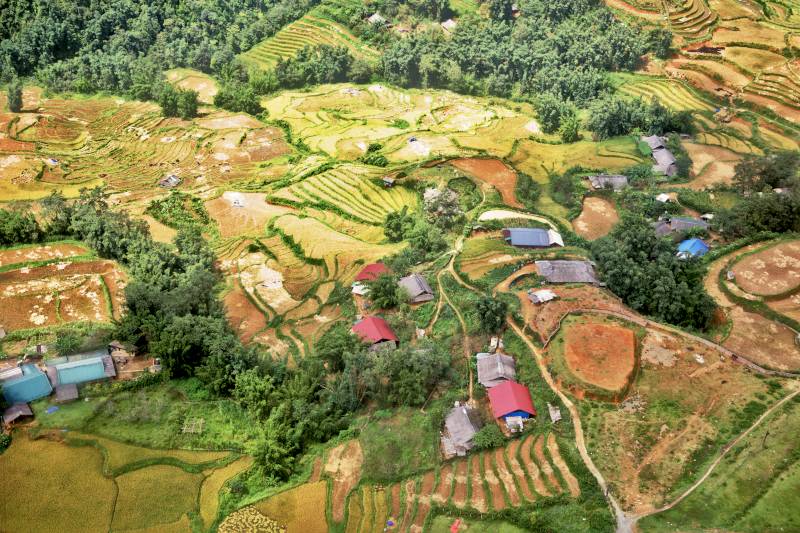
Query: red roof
[(508, 397), (372, 272), (374, 329)]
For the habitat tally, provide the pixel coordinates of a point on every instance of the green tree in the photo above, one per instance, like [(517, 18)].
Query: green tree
[(67, 343), (14, 95), (187, 104), (398, 224), (549, 109), (491, 313), (384, 293), (488, 437), (18, 228), (335, 345), (501, 9), (238, 97), (570, 129)]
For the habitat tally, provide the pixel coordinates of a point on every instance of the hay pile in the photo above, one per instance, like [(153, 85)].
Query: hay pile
[(250, 520)]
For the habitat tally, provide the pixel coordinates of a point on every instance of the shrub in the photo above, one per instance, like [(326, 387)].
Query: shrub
[(489, 437)]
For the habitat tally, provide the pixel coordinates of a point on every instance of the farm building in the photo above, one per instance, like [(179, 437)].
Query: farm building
[(494, 369), (532, 237), (81, 368), (542, 296), (16, 412), (665, 162), (670, 225), (563, 271), (169, 182), (449, 25), (460, 427), (663, 198), (372, 272), (417, 288), (376, 18), (609, 181), (512, 402), (555, 412), (31, 384), (692, 248), (375, 331)]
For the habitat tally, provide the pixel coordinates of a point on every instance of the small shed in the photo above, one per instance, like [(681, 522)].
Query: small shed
[(663, 198), (66, 393), (15, 412), (532, 237), (460, 427), (555, 412), (169, 182), (388, 182), (564, 271), (449, 25), (417, 288), (494, 369), (541, 296), (615, 182)]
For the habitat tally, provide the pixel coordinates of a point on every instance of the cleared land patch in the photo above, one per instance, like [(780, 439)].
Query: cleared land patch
[(602, 354), (495, 173), (596, 219), (772, 271)]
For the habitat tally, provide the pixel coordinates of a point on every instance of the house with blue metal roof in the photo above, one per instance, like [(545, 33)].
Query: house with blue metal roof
[(532, 237), (81, 368), (31, 385), (692, 248)]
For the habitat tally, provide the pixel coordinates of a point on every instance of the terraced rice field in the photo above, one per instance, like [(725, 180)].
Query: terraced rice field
[(670, 93), (526, 470), (692, 19), (311, 30)]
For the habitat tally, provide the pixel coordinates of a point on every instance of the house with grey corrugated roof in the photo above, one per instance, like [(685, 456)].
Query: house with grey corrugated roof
[(665, 162), (669, 225), (493, 369), (532, 237), (566, 271), (609, 181), (460, 426), (417, 288)]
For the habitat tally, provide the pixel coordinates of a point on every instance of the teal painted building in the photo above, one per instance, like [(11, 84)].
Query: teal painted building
[(31, 385)]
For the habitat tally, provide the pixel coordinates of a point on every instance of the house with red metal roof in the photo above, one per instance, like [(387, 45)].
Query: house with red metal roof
[(372, 272), (511, 400), (375, 331)]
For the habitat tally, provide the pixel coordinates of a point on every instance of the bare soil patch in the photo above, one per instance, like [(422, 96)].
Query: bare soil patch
[(242, 213), (395, 497), (566, 475), (478, 499), (460, 490), (222, 121), (600, 354), (658, 349), (498, 499), (243, 316), (445, 484), (519, 470), (772, 271), (423, 502), (344, 467), (41, 253), (506, 477), (596, 219), (495, 173), (711, 165), (544, 464)]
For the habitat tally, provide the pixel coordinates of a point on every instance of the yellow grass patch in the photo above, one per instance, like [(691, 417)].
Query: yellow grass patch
[(753, 59), (209, 490), (299, 509), (154, 495), (48, 485)]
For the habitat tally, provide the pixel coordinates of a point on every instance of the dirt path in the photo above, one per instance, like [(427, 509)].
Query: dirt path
[(572, 483), (719, 458)]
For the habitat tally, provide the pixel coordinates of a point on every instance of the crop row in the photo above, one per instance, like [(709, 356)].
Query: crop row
[(671, 94)]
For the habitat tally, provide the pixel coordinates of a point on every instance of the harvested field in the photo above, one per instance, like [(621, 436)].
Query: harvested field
[(344, 467), (160, 232), (478, 498), (408, 507), (301, 509), (50, 479), (547, 470), (442, 493), (771, 271), (519, 470), (249, 519), (193, 80), (241, 213), (26, 254), (59, 293), (711, 165), (495, 173), (424, 501), (596, 219), (558, 461), (461, 481), (506, 477), (599, 353), (155, 495), (212, 485), (244, 317)]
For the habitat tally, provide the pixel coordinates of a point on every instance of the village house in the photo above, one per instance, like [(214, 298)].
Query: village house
[(663, 198), (665, 162), (692, 248), (376, 18), (66, 373), (564, 271), (169, 182), (532, 237), (15, 412), (671, 224), (460, 426), (614, 182), (372, 272), (494, 369), (541, 296), (512, 402), (376, 332), (417, 288)]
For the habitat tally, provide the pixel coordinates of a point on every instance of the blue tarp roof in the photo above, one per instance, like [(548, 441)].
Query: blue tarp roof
[(694, 247), (32, 385), (528, 237)]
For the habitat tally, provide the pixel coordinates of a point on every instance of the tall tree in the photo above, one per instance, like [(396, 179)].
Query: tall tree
[(14, 94)]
